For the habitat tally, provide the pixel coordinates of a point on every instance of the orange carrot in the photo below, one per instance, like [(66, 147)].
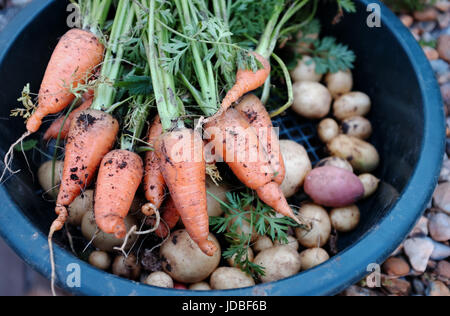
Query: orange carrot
[(118, 180), (73, 60), (242, 152), (182, 164), (82, 158), (154, 185), (246, 81), (256, 114), (57, 126), (169, 218)]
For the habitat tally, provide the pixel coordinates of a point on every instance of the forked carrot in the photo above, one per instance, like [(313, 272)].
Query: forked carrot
[(154, 184), (118, 179), (57, 126), (242, 152), (251, 107), (75, 57), (182, 164)]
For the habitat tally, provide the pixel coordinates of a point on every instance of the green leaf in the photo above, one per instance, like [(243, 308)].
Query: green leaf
[(347, 5), (136, 85), (26, 145)]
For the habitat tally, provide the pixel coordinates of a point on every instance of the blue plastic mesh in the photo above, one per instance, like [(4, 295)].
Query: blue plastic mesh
[(302, 131)]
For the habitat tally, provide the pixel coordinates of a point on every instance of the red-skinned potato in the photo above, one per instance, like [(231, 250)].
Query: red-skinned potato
[(333, 187)]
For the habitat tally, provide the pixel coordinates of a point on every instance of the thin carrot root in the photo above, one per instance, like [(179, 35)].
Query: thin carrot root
[(7, 161), (213, 173), (154, 184), (182, 164), (57, 225), (170, 217)]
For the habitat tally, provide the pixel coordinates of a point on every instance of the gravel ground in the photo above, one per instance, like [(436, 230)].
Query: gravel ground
[(420, 266)]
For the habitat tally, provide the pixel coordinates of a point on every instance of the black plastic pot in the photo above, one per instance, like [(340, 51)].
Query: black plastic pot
[(408, 131)]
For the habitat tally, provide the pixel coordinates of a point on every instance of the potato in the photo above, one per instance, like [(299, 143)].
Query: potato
[(357, 126), (339, 83), (200, 286), (335, 162), (128, 268), (291, 242), (363, 156), (351, 104), (297, 166), (184, 261), (278, 263), (327, 130), (250, 256), (45, 177), (333, 187), (311, 100), (226, 278), (320, 226), (214, 207), (159, 279), (313, 257), (370, 183), (105, 242), (82, 204), (345, 219), (100, 260), (262, 243), (305, 71)]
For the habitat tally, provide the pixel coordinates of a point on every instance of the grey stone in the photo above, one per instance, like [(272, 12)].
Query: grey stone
[(439, 226)]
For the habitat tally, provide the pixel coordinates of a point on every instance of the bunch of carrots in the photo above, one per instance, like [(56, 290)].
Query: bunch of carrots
[(196, 68)]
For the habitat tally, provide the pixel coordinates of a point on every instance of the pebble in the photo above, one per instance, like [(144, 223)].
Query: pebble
[(440, 251), (396, 267), (418, 286), (407, 20), (421, 228), (431, 53), (443, 47), (396, 286), (439, 227), (419, 251), (444, 20), (441, 197), (443, 269), (438, 288), (443, 5), (359, 291), (427, 27), (440, 66), (444, 176), (445, 90), (429, 14)]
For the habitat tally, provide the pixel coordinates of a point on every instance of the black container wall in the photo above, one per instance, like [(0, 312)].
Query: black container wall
[(408, 131)]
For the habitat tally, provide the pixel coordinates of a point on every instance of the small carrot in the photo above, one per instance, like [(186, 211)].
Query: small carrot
[(169, 218), (182, 164), (82, 159), (154, 185), (248, 161), (118, 179), (256, 114), (57, 126), (75, 57), (246, 81)]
